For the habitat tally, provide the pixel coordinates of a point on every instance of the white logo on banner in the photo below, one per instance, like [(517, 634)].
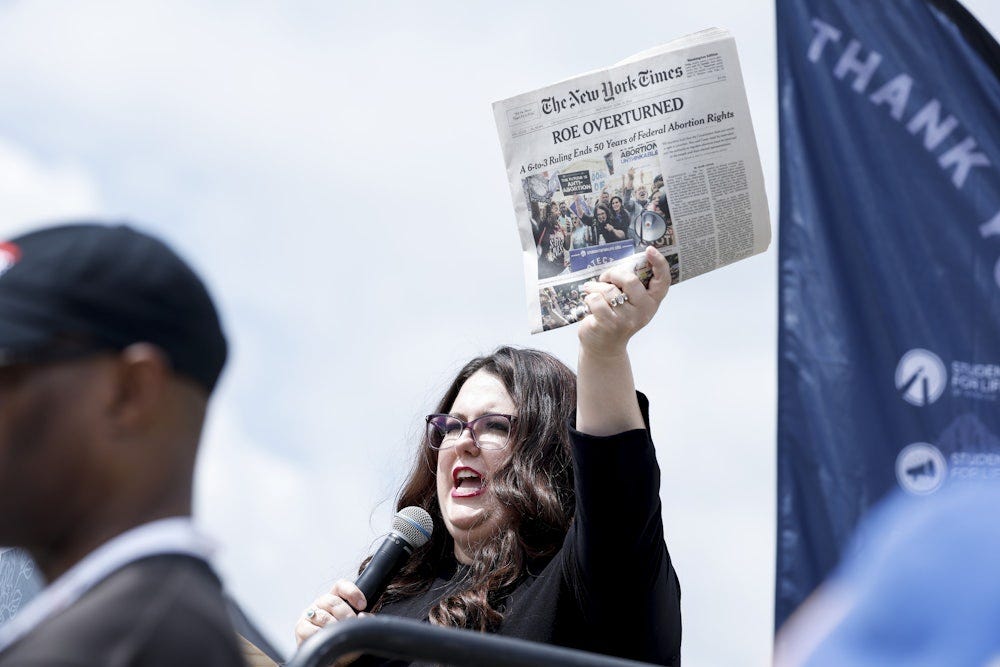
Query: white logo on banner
[(920, 468), (921, 377)]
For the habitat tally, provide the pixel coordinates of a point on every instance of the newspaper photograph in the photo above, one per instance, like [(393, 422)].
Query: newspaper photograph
[(657, 150)]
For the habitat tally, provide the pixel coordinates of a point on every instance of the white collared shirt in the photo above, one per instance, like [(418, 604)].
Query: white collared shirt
[(176, 535)]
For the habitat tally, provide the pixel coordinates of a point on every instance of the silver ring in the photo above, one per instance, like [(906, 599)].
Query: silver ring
[(310, 612), (619, 300)]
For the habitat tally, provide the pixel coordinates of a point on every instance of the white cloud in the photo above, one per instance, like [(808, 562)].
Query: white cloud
[(32, 192)]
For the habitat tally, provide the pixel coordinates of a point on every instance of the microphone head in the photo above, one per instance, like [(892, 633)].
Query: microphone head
[(414, 525)]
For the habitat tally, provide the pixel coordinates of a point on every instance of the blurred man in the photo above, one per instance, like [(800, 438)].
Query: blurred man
[(919, 586), (636, 198), (109, 349)]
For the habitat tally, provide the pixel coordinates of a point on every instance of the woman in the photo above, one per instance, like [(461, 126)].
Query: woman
[(553, 216), (602, 223), (618, 227), (581, 236), (554, 243), (542, 531), (547, 218), (565, 218)]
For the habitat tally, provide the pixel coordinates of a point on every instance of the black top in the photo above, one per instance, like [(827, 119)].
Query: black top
[(160, 611), (622, 221), (611, 588)]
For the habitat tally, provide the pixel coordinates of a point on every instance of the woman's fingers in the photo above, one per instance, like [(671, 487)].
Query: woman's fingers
[(621, 304), (608, 289), (628, 282), (319, 615), (625, 281), (659, 284), (309, 623), (304, 630), (598, 304), (342, 602), (350, 592), (334, 606)]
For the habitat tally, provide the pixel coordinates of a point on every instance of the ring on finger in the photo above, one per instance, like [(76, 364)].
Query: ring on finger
[(618, 299), (310, 612)]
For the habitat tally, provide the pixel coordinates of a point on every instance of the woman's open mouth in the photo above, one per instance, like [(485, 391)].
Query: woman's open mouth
[(468, 482)]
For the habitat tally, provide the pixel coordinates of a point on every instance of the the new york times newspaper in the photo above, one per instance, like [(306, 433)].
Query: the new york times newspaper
[(656, 150)]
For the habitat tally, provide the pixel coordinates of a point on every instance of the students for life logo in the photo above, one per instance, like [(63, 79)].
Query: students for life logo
[(921, 468), (921, 377), (9, 255)]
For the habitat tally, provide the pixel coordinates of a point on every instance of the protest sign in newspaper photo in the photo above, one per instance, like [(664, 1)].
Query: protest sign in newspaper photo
[(657, 150)]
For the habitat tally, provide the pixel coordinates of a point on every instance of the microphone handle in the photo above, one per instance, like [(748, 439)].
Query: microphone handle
[(383, 567)]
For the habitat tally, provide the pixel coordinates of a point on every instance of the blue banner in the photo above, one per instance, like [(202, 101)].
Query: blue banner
[(586, 258), (889, 252)]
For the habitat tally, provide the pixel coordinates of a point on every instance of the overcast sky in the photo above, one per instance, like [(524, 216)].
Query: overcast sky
[(335, 175)]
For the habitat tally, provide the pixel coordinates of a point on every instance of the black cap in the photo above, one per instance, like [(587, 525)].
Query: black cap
[(112, 286)]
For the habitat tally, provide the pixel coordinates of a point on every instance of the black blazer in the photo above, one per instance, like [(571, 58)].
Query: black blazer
[(163, 610)]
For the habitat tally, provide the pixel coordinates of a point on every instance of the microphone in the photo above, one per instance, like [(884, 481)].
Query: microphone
[(411, 528)]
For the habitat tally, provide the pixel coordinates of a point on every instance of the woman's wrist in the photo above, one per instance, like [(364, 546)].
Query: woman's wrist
[(604, 355), (606, 402)]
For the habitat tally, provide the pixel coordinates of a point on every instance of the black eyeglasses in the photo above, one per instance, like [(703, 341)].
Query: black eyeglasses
[(490, 431)]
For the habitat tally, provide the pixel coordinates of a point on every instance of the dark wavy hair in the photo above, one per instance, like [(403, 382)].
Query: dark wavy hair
[(609, 215), (533, 491)]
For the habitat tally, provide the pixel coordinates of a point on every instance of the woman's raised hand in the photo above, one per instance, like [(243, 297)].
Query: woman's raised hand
[(615, 319), (337, 605), (619, 306)]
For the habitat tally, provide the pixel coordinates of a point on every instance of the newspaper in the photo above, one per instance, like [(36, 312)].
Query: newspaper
[(656, 150)]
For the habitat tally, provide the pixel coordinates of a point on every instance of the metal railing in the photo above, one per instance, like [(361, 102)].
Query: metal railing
[(405, 639)]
